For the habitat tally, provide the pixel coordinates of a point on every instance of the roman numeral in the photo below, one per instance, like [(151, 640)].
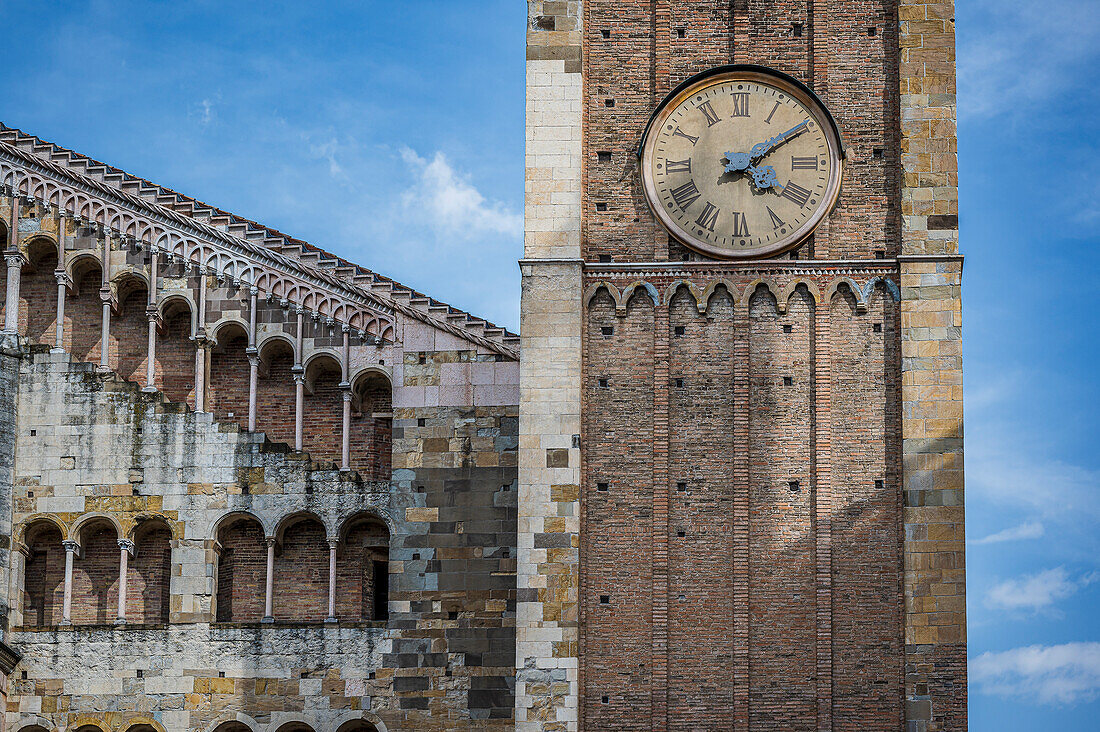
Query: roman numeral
[(686, 136), (709, 217), (740, 224), (740, 104), (678, 166), (709, 113), (803, 163), (776, 221), (685, 195), (796, 193), (768, 121)]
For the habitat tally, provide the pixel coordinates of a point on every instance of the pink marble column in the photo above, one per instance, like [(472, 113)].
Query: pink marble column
[(63, 283), (71, 548), (331, 582), (126, 548), (269, 603), (299, 380)]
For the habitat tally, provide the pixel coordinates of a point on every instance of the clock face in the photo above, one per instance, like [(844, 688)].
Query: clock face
[(741, 164)]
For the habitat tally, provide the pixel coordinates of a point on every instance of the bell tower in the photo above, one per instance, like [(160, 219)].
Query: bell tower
[(741, 476)]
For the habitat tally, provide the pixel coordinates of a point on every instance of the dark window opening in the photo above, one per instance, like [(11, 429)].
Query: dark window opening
[(607, 330), (796, 30), (604, 156)]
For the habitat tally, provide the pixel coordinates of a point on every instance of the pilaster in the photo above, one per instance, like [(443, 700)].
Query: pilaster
[(547, 632), (931, 333)]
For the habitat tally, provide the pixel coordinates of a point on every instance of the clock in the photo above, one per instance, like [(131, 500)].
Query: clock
[(741, 161)]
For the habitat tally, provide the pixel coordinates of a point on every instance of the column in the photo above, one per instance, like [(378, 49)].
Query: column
[(71, 548), (126, 548), (299, 382), (331, 581), (270, 586), (153, 315), (63, 283), (253, 361), (105, 298), (14, 261), (345, 387), (200, 346)]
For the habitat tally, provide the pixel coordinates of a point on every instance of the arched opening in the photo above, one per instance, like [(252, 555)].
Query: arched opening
[(44, 575), (323, 410), (232, 727), (38, 292), (301, 571), (228, 389), (362, 570), (275, 392), (372, 425), (175, 354), (34, 728), (84, 310), (95, 574), (149, 574), (129, 330), (295, 727), (242, 570), (142, 728), (357, 725)]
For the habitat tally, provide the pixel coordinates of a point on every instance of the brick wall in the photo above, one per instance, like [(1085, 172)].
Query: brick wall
[(301, 573), (95, 576), (44, 568), (149, 575), (242, 572)]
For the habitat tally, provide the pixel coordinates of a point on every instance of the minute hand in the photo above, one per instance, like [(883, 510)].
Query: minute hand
[(761, 149)]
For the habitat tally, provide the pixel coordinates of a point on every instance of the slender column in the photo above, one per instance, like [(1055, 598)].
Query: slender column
[(14, 261), (62, 285), (345, 387), (299, 405), (105, 298), (253, 361), (331, 582), (299, 383), (200, 347), (67, 603), (269, 604), (153, 315), (126, 548)]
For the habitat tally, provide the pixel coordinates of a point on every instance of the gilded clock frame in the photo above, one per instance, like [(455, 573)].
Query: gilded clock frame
[(751, 73)]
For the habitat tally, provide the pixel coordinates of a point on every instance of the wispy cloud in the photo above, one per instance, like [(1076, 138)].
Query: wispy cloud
[(1024, 54), (1062, 674), (448, 202), (1038, 591), (1029, 530)]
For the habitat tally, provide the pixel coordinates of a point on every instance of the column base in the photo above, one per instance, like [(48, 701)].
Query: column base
[(57, 350), (66, 622), (101, 369), (11, 344), (120, 621), (267, 619), (149, 390), (331, 620)]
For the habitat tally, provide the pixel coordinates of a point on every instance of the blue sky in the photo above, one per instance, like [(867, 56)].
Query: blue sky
[(392, 134)]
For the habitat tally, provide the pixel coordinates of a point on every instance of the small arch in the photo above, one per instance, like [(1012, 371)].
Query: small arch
[(296, 725), (176, 304), (607, 287), (887, 282), (712, 286), (857, 292), (367, 514), (348, 722), (672, 289), (241, 566), (33, 724), (30, 522), (321, 361), (276, 341), (768, 285), (89, 520), (227, 329), (792, 286), (129, 281), (288, 521), (634, 288), (144, 724), (371, 439), (238, 722), (88, 724), (82, 264), (39, 247)]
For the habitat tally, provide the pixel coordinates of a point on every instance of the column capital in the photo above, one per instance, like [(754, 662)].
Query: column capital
[(253, 291), (126, 544), (14, 259), (270, 541), (300, 378), (63, 278), (345, 328), (70, 546), (253, 359), (346, 393), (333, 543)]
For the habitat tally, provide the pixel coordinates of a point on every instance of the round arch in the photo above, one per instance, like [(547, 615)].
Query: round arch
[(225, 329), (91, 519), (232, 723), (34, 521), (232, 517), (347, 722), (365, 515), (288, 521), (143, 724)]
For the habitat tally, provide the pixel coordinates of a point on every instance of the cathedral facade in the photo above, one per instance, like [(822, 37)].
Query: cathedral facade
[(716, 484)]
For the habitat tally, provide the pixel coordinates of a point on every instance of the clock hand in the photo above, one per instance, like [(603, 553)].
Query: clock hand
[(761, 149), (763, 177)]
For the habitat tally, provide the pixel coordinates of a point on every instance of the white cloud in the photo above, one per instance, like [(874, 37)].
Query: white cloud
[(206, 112), (1061, 674), (448, 203), (1018, 54), (1029, 530), (1036, 591), (327, 150)]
